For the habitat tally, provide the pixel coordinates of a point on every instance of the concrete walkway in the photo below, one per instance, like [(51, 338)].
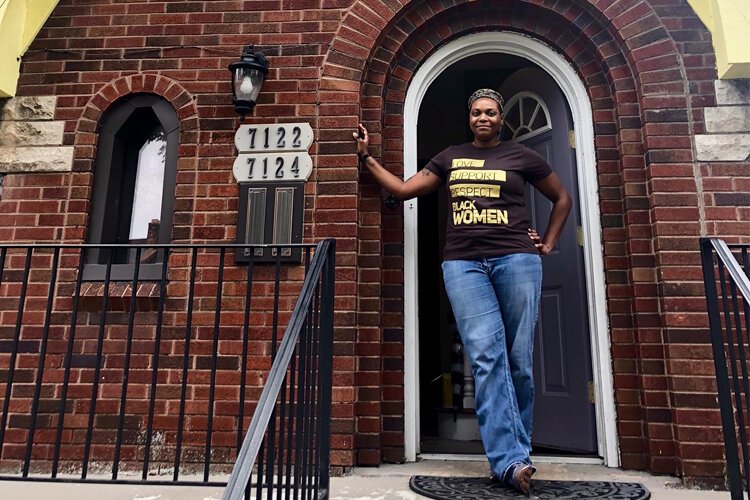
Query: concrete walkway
[(388, 482), (392, 481)]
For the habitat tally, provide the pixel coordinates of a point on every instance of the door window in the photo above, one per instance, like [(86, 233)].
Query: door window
[(526, 116)]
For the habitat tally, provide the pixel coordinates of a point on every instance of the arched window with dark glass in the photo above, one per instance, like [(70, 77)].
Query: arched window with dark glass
[(134, 186)]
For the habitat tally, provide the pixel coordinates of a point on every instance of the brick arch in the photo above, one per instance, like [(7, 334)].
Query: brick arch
[(86, 138), (621, 54), (183, 102), (373, 24), (414, 49)]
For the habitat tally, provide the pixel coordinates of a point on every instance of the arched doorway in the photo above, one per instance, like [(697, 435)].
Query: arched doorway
[(514, 44)]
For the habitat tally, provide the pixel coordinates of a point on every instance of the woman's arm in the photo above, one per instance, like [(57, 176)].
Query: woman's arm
[(552, 188), (423, 182)]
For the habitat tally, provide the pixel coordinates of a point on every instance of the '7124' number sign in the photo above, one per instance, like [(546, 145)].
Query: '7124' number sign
[(273, 137), (279, 166)]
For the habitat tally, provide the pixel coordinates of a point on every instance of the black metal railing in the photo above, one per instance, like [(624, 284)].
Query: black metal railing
[(726, 272), (287, 445), (136, 376)]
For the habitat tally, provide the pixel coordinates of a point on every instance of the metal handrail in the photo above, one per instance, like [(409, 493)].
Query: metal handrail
[(736, 347), (251, 446), (170, 246), (733, 267), (31, 273)]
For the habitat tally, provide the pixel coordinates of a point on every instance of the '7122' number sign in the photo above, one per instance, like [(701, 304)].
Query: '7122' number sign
[(279, 166), (273, 137)]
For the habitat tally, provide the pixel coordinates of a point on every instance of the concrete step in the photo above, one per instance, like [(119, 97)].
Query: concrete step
[(388, 482), (28, 490), (392, 481)]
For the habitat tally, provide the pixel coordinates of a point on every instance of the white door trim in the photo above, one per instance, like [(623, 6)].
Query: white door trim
[(575, 92)]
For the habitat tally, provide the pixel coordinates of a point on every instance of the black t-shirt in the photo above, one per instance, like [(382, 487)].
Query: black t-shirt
[(487, 216)]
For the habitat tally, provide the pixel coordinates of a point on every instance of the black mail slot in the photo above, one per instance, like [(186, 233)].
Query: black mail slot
[(270, 213)]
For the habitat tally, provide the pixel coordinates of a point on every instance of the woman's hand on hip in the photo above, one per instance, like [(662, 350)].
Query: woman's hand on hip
[(541, 247)]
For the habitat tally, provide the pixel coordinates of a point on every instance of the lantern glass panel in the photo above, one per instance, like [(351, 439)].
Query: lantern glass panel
[(247, 83)]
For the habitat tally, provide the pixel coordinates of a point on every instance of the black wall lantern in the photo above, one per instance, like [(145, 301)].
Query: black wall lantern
[(247, 77)]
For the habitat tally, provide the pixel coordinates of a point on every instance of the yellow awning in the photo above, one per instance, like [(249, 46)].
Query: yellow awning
[(729, 24), (20, 21)]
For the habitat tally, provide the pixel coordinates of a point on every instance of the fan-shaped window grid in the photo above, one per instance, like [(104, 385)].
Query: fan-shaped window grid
[(134, 185), (526, 116)]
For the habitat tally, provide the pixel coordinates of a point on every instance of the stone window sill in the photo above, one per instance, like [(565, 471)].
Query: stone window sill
[(119, 297)]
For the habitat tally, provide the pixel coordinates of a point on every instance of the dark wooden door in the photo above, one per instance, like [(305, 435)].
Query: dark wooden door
[(537, 116)]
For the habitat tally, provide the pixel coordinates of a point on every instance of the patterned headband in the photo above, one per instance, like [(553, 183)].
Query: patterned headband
[(489, 93)]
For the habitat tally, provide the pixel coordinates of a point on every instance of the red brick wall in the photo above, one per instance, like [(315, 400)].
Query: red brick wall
[(648, 66), (648, 90)]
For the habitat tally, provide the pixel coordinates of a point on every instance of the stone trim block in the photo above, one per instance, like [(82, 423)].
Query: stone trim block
[(29, 133), (732, 92), (36, 159), (29, 140), (28, 108), (727, 119), (722, 147)]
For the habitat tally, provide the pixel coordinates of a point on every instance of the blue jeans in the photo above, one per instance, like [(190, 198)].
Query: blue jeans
[(496, 303)]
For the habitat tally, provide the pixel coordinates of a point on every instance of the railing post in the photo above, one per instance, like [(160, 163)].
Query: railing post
[(722, 376), (326, 365), (14, 348), (40, 366), (68, 363)]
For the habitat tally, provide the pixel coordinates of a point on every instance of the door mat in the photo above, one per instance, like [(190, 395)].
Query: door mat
[(481, 488)]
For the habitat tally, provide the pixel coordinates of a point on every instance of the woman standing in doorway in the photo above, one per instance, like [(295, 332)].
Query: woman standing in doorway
[(492, 270)]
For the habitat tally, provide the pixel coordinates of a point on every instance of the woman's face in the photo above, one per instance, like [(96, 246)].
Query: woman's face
[(485, 119)]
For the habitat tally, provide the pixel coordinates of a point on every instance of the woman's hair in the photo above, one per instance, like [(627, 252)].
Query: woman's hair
[(489, 93)]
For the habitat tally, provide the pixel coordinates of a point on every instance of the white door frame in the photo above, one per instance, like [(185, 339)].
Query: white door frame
[(575, 92)]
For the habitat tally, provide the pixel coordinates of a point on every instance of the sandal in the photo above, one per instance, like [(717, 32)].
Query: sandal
[(519, 477)]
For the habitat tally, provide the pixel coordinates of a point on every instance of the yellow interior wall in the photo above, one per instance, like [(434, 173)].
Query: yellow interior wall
[(729, 24), (703, 9), (20, 22), (12, 20), (37, 12)]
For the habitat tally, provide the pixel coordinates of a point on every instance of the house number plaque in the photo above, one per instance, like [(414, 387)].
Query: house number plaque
[(273, 152), (274, 137), (270, 167)]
